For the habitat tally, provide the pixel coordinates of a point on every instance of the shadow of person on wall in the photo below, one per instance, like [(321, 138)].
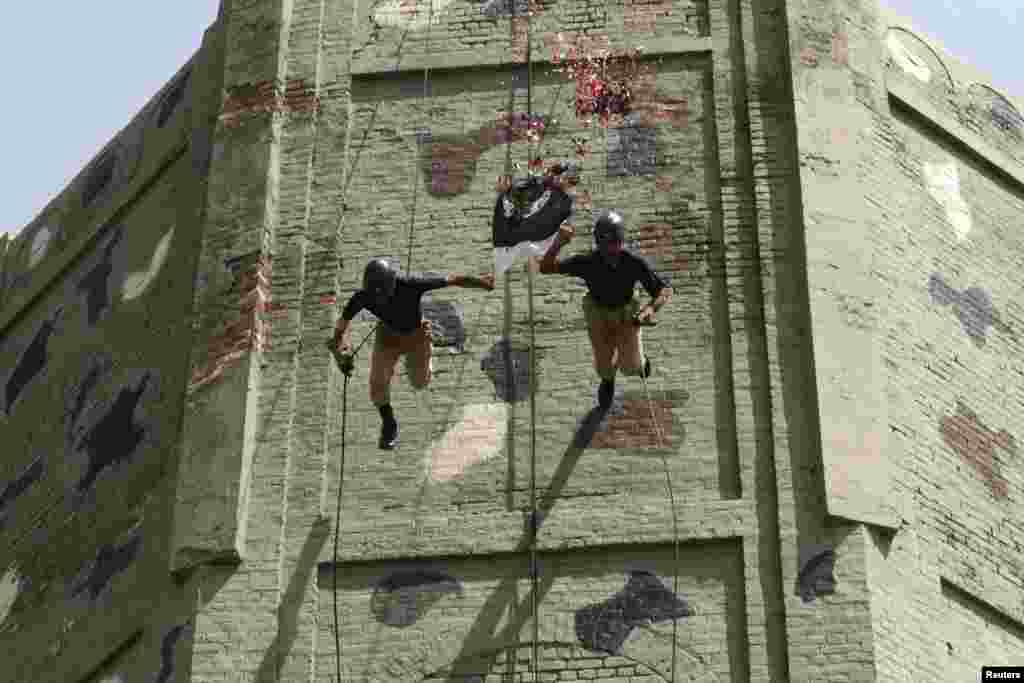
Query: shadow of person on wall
[(289, 612)]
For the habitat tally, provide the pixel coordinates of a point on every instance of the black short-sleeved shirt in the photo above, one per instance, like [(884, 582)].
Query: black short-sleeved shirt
[(613, 286), (402, 312)]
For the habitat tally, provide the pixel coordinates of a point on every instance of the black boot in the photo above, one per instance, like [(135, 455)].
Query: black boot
[(605, 393), (646, 372), (388, 428)]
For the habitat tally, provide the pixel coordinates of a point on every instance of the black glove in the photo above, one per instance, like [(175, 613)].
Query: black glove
[(347, 364)]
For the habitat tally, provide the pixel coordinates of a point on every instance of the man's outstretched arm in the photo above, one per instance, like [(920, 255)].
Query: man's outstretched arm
[(549, 264), (472, 281), (342, 333), (658, 288)]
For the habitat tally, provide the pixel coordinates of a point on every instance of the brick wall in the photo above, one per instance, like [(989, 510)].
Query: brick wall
[(203, 435), (93, 374), (944, 190)]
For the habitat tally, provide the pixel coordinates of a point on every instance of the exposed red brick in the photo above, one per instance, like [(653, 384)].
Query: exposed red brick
[(267, 97), (598, 72), (449, 164), (407, 8), (243, 334), (840, 48), (585, 43), (651, 107), (974, 442), (642, 15), (519, 43), (511, 127), (655, 240), (809, 56), (631, 426), (675, 110)]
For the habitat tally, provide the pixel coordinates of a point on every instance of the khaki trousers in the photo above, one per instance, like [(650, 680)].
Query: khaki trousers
[(616, 341), (388, 345)]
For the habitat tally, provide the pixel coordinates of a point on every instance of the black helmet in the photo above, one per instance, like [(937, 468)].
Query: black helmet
[(379, 279), (525, 191), (609, 226)]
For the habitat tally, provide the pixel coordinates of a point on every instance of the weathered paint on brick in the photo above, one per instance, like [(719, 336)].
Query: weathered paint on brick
[(266, 97), (803, 380), (242, 334), (976, 443), (32, 361)]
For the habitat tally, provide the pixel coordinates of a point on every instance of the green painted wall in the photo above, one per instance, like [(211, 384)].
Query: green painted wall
[(834, 376), (96, 302)]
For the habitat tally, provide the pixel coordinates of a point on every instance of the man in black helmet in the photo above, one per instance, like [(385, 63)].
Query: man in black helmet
[(395, 299), (613, 316)]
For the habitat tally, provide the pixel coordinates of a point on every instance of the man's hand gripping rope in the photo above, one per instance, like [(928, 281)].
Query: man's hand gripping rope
[(342, 355)]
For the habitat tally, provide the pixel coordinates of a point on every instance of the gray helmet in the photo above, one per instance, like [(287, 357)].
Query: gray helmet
[(379, 279), (609, 226)]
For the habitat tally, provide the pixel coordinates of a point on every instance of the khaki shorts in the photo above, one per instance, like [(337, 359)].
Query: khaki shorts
[(616, 341), (592, 311), (388, 347)]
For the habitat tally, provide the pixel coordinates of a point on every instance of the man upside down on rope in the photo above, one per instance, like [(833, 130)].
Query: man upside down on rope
[(396, 300), (613, 316)]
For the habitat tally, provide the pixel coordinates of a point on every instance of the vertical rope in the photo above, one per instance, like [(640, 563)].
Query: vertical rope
[(416, 153), (344, 392), (506, 350), (534, 522), (337, 528), (671, 495), (675, 524)]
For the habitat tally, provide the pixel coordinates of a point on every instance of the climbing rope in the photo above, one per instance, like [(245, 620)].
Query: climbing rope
[(672, 503), (344, 391), (337, 525), (675, 523), (534, 522)]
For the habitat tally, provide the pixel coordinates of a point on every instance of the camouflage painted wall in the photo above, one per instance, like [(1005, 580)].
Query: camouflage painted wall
[(96, 298), (952, 275), (912, 187), (459, 484), (168, 506)]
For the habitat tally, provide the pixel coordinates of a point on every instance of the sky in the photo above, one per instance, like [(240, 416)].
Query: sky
[(75, 77)]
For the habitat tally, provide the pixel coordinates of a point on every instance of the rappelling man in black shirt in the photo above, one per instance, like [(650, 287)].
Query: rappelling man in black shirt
[(613, 316), (395, 300)]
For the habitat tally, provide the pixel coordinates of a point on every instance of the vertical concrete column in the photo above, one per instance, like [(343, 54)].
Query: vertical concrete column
[(837, 59), (832, 379), (307, 316), (232, 496), (753, 213), (232, 288)]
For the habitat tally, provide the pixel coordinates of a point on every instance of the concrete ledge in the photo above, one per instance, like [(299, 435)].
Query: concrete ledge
[(388, 538), (883, 519), (1002, 606), (373, 65), (906, 95), (11, 307)]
